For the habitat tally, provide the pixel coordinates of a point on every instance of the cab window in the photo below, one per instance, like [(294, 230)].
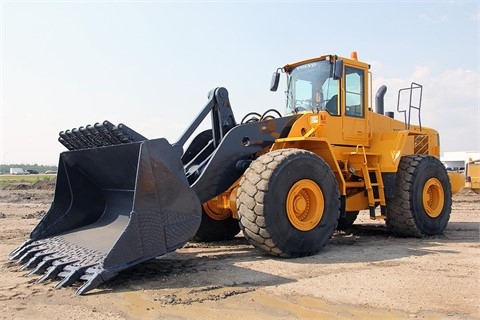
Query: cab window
[(311, 87), (330, 92), (354, 92)]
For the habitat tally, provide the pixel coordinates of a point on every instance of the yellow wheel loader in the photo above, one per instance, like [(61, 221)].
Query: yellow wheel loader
[(472, 172), (286, 181)]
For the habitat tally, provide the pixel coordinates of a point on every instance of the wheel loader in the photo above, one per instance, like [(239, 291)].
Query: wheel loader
[(286, 181), (473, 175)]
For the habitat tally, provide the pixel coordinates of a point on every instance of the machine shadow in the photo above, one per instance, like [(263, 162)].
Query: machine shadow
[(197, 265), (227, 263)]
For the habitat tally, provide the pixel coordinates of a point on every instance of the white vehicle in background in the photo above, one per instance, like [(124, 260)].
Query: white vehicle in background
[(18, 171)]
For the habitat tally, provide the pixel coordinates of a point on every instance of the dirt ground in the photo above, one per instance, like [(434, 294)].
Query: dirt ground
[(364, 273)]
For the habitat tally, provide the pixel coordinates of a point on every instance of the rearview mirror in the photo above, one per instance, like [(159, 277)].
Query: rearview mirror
[(275, 81), (337, 69)]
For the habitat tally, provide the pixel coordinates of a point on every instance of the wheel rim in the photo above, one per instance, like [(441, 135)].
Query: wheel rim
[(433, 197), (305, 205), (214, 212)]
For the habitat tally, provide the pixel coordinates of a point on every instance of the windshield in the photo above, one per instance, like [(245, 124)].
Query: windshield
[(311, 87)]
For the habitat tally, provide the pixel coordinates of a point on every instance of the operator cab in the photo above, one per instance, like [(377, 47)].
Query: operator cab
[(333, 85), (314, 85)]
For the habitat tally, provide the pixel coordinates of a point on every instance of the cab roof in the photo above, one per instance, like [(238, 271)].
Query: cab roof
[(329, 57)]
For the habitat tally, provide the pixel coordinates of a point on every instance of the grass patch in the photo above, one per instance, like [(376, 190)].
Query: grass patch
[(7, 179)]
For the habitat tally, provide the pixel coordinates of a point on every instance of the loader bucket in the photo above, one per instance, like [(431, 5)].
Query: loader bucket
[(114, 207)]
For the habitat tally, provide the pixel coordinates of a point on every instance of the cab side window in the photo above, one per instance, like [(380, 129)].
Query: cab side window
[(354, 94)]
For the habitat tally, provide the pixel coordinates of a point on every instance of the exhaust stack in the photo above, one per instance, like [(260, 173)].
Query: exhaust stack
[(379, 101)]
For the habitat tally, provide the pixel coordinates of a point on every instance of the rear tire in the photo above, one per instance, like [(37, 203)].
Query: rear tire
[(347, 221), (288, 203), (423, 197), (211, 230)]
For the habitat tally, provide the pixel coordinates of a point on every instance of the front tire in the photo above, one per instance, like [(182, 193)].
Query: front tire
[(288, 203), (423, 197)]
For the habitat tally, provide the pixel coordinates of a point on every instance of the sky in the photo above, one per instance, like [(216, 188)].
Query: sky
[(150, 64)]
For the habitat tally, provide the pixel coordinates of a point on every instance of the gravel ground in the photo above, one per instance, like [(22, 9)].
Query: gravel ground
[(363, 273)]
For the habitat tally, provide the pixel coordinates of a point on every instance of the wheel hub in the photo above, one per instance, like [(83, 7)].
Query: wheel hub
[(301, 202), (305, 205), (433, 197), (214, 211)]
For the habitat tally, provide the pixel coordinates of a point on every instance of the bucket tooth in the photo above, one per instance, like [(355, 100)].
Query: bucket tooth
[(21, 247), (68, 280), (44, 265), (94, 281), (36, 259), (54, 270), (22, 250), (73, 274), (28, 255)]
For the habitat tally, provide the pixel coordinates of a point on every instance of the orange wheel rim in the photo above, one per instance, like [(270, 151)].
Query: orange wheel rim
[(214, 212), (305, 205), (433, 197)]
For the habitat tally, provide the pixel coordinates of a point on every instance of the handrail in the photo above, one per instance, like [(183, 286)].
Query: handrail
[(413, 86), (364, 153)]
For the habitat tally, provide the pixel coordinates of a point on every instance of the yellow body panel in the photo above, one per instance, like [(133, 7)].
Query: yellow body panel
[(457, 180), (473, 175)]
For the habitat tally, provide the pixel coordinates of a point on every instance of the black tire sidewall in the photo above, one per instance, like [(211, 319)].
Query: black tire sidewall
[(347, 221), (211, 230), (287, 238), (428, 168)]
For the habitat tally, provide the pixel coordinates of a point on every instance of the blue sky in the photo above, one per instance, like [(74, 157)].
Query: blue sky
[(150, 64)]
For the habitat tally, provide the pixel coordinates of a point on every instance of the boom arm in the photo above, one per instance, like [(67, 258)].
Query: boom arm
[(222, 118), (216, 158)]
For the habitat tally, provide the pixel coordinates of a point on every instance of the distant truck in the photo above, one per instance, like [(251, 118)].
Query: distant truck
[(18, 171)]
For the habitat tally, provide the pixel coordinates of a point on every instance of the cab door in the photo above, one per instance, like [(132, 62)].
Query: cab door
[(353, 107)]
